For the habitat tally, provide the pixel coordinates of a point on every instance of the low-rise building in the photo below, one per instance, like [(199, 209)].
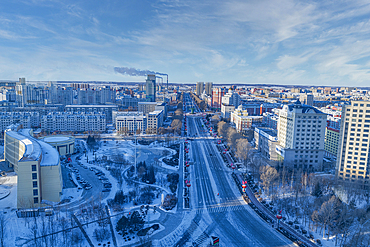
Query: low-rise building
[(130, 122), (226, 110), (63, 144), (243, 121), (266, 141), (154, 121)]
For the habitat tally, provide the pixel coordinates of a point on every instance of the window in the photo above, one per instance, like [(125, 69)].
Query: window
[(35, 192), (34, 175), (33, 168), (34, 184), (35, 200)]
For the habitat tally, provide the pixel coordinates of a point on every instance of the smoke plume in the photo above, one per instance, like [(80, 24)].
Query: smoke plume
[(135, 72)]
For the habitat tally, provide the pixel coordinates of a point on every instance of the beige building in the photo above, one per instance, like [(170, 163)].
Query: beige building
[(353, 154), (154, 121), (243, 121), (37, 166)]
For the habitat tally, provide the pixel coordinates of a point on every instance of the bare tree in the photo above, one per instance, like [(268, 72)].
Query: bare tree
[(243, 149), (268, 176), (215, 119), (222, 129), (232, 136)]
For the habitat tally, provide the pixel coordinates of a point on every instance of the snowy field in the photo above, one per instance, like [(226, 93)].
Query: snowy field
[(20, 231)]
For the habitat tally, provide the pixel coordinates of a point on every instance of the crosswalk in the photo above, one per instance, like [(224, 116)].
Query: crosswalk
[(219, 209)]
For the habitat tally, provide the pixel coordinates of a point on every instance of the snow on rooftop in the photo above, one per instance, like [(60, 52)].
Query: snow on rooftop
[(56, 139), (50, 156), (33, 150)]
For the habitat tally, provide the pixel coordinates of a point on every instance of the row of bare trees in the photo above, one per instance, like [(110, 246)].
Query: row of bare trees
[(310, 199)]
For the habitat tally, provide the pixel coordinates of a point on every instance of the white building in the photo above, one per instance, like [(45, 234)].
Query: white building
[(106, 109), (154, 121), (301, 134), (73, 121), (226, 110), (353, 154), (27, 119), (266, 141), (231, 98), (130, 122)]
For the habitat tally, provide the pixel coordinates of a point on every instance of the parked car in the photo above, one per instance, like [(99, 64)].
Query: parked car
[(106, 190)]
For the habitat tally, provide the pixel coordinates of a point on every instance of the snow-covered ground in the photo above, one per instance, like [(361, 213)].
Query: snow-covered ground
[(18, 230), (8, 189)]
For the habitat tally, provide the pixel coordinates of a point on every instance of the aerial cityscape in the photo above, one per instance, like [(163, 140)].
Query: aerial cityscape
[(183, 123)]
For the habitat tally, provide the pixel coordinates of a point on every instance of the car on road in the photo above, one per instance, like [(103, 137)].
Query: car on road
[(88, 187), (107, 185), (106, 190)]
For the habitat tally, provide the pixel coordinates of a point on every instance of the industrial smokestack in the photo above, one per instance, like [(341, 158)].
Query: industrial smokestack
[(136, 72), (167, 83)]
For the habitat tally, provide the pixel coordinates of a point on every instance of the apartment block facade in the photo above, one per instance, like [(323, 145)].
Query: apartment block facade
[(353, 161), (73, 121), (301, 134)]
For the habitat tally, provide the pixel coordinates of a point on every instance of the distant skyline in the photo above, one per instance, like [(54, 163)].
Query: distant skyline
[(237, 41)]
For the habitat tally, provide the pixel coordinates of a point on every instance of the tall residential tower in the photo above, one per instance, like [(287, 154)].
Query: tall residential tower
[(353, 161)]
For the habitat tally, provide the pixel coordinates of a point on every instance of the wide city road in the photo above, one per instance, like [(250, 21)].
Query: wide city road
[(215, 195)]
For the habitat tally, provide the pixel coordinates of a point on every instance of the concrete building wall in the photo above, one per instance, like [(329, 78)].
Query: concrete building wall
[(51, 183)]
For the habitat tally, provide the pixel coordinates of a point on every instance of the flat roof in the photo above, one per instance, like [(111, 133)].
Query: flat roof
[(91, 106), (56, 139), (268, 131)]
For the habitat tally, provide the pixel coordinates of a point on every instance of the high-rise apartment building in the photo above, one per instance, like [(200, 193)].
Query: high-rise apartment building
[(217, 94), (208, 88), (301, 134), (21, 92), (353, 161), (150, 88), (200, 88)]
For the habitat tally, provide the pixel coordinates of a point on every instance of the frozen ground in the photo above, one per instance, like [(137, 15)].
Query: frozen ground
[(18, 230)]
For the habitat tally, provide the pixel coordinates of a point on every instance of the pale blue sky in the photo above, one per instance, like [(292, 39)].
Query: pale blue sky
[(277, 42)]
